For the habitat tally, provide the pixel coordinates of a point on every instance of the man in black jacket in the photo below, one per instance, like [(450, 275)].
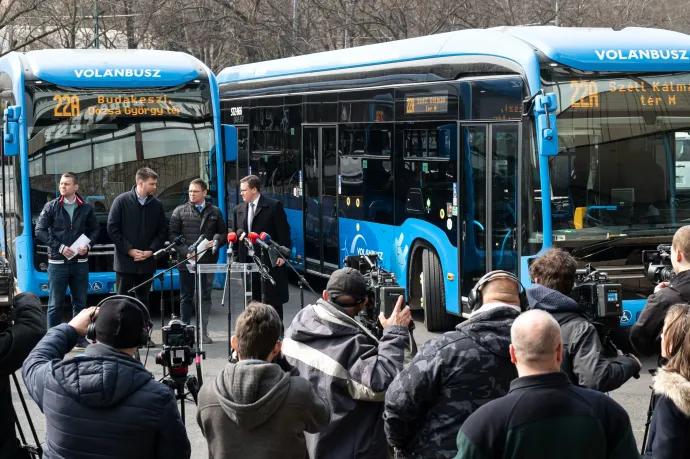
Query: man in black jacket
[(61, 223), (137, 227), (583, 362), (261, 214), (104, 403), (454, 374), (192, 220), (544, 416), (646, 332), (16, 341)]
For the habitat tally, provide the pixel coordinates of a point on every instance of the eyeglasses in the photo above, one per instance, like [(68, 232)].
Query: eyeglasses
[(244, 190), (195, 191)]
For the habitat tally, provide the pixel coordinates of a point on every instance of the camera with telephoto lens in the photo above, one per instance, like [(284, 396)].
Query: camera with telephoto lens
[(6, 293), (383, 290), (178, 344), (657, 264)]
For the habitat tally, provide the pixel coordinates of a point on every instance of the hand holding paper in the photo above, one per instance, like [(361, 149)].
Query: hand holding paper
[(81, 243)]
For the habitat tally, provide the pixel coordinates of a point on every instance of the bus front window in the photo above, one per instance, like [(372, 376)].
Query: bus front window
[(105, 136), (624, 154)]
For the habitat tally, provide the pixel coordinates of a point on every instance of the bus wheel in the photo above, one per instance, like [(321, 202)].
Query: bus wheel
[(433, 293)]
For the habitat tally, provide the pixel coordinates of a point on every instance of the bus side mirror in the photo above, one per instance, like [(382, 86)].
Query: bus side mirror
[(229, 134), (11, 130), (547, 130)]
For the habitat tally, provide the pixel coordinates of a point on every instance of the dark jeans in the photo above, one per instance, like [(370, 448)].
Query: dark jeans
[(125, 282), (187, 292), (60, 276)]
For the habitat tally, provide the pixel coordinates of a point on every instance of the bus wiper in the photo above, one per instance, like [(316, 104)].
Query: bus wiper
[(599, 244)]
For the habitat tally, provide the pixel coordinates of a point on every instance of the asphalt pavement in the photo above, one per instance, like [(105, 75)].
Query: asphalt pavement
[(633, 396)]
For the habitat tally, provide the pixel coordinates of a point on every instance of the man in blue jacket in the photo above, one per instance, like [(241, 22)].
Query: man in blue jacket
[(61, 223), (104, 403)]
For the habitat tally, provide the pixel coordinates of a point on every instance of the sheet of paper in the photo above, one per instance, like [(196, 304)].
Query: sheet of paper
[(202, 245), (81, 242)]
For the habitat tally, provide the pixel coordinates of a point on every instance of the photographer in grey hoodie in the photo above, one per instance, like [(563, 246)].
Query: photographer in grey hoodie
[(583, 362), (255, 408)]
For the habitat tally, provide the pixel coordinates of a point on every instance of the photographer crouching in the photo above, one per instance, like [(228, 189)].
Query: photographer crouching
[(646, 332), (347, 366), (21, 327), (583, 362)]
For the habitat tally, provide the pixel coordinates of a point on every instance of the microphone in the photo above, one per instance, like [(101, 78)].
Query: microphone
[(232, 238), (254, 238), (192, 247), (179, 240), (216, 242), (284, 251), (242, 237)]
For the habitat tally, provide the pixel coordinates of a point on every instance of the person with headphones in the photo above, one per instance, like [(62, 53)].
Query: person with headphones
[(104, 403), (583, 362), (455, 373)]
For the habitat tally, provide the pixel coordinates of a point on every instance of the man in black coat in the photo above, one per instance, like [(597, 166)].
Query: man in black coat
[(16, 342), (259, 214), (583, 359), (646, 332), (137, 227), (104, 403), (192, 220)]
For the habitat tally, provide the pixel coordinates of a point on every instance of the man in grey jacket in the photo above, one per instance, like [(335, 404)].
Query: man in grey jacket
[(348, 366), (254, 408), (583, 362)]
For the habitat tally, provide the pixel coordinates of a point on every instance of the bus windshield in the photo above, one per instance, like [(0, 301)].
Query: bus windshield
[(624, 154), (104, 135)]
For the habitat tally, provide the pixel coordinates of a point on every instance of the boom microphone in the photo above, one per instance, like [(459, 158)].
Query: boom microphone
[(179, 240), (284, 251)]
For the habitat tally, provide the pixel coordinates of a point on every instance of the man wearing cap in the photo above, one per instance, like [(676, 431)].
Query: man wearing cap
[(348, 366), (103, 403)]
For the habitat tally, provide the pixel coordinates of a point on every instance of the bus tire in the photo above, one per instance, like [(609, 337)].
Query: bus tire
[(433, 293)]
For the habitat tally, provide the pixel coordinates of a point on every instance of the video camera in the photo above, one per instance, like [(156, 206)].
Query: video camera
[(601, 299), (178, 342), (6, 293), (383, 290), (657, 264)]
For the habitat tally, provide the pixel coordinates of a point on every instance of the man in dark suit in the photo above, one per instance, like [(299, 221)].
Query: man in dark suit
[(259, 214)]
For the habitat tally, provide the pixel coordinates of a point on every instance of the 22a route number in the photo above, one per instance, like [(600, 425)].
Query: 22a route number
[(67, 105)]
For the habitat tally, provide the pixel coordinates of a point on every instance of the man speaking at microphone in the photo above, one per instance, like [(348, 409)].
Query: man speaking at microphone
[(258, 214), (193, 220)]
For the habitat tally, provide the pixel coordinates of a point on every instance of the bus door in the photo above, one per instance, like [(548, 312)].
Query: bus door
[(320, 153), (488, 200)]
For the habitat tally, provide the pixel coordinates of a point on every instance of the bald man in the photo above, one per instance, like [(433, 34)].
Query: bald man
[(544, 415), (453, 374)]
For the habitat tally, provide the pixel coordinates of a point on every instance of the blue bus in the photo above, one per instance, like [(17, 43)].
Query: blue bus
[(102, 114), (459, 153)]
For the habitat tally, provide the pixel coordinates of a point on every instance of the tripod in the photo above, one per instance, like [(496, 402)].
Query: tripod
[(177, 381), (650, 413), (34, 451)]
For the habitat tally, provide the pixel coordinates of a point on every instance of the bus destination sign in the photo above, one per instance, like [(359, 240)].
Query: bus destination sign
[(436, 103), (666, 93), (71, 105)]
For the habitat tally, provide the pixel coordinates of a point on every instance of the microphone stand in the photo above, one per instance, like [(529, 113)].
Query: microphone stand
[(263, 279), (301, 281), (222, 303)]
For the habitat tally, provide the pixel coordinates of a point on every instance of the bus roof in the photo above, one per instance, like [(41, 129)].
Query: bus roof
[(590, 49), (113, 68)]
